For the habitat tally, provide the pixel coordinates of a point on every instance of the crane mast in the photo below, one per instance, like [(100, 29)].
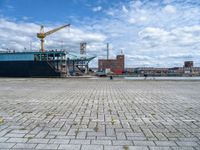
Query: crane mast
[(43, 34)]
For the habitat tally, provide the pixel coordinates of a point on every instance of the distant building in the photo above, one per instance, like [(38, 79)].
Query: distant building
[(188, 64), (151, 71), (114, 65), (188, 67)]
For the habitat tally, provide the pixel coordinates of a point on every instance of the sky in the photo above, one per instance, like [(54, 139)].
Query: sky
[(151, 33)]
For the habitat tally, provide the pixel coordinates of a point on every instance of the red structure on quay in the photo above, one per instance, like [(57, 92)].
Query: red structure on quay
[(114, 65)]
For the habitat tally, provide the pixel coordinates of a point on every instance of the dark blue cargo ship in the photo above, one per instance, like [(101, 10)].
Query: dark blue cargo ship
[(33, 64)]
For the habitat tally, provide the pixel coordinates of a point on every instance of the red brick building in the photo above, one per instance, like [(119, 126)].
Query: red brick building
[(115, 65)]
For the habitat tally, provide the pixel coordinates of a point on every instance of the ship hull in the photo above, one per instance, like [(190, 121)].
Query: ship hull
[(27, 69)]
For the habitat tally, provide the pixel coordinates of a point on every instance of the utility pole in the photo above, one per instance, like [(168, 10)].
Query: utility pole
[(107, 51)]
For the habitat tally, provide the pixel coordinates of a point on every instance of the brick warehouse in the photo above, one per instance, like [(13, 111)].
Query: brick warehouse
[(115, 65)]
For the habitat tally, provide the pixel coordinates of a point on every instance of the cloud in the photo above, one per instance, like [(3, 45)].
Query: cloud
[(19, 35), (168, 1), (182, 37), (152, 33), (25, 18), (150, 30), (169, 9), (125, 10), (96, 9)]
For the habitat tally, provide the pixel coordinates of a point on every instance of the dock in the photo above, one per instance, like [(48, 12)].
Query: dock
[(99, 114)]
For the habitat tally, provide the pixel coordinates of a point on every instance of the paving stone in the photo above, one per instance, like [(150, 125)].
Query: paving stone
[(121, 136), (47, 146), (113, 147), (92, 147), (59, 141), (3, 139), (159, 148), (135, 134), (105, 138), (165, 143), (122, 142), (138, 148), (80, 142), (110, 132), (42, 134), (145, 143), (189, 139), (15, 135), (184, 144), (183, 148), (25, 146), (160, 136), (7, 145), (38, 141), (77, 113), (19, 131), (69, 147), (197, 148), (17, 140), (102, 142), (4, 132), (137, 138)]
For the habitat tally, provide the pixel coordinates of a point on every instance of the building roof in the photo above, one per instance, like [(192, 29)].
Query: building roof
[(76, 56)]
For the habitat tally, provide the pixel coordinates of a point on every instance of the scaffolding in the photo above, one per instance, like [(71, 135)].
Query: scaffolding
[(78, 64)]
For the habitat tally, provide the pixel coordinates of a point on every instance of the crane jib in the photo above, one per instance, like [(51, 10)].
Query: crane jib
[(43, 34)]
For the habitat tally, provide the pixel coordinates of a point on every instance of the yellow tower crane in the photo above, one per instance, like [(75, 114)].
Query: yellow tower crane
[(43, 34)]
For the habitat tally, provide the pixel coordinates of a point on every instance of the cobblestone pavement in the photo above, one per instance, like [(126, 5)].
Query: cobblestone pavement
[(85, 114)]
